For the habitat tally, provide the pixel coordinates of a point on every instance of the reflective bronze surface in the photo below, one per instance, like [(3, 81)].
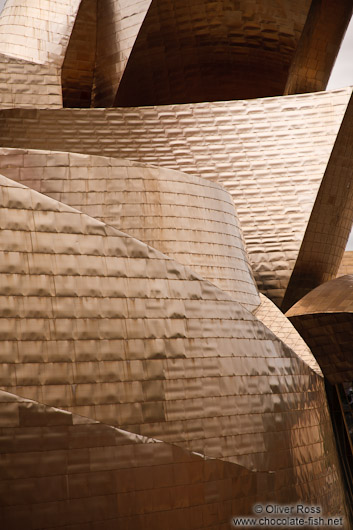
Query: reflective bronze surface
[(318, 45), (276, 321), (190, 219), (208, 51), (127, 298), (324, 318), (100, 324), (143, 52), (270, 154), (346, 266)]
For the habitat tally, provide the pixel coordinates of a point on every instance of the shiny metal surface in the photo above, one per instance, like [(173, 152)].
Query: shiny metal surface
[(139, 52), (346, 266), (330, 221), (106, 327), (318, 46), (276, 321), (90, 475), (324, 318), (119, 22), (77, 72), (33, 41), (178, 407), (270, 155), (208, 51), (190, 219)]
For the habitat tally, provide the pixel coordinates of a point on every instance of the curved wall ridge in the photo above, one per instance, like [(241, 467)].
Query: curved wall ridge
[(190, 219)]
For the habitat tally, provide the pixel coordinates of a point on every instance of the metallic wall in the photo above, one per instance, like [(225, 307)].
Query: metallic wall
[(270, 155), (33, 41), (87, 474), (179, 407), (318, 46), (280, 325), (102, 325), (325, 321), (208, 51), (78, 67), (346, 266), (130, 52), (119, 22), (190, 219)]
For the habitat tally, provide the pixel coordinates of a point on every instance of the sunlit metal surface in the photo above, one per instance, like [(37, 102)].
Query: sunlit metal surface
[(179, 406), (100, 324), (119, 22), (192, 220), (330, 222), (324, 318), (270, 154), (277, 322), (346, 266)]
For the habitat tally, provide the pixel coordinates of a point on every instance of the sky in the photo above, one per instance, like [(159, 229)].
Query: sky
[(342, 73)]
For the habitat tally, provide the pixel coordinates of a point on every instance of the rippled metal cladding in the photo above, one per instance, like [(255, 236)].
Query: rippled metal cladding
[(144, 380)]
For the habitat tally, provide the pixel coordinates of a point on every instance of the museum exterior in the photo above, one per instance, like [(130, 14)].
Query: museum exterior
[(176, 199)]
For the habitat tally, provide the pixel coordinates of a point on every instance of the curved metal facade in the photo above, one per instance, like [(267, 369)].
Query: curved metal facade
[(144, 382)]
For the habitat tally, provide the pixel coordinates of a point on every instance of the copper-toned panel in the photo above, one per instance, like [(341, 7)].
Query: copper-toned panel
[(33, 41), (318, 46), (97, 322), (59, 469), (330, 221), (346, 266), (270, 154), (78, 67), (324, 318), (190, 219), (277, 322), (209, 51), (118, 24), (26, 84), (38, 31)]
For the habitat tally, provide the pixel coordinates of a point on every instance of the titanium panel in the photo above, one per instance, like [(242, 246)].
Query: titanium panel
[(324, 318), (318, 46), (33, 41), (37, 32), (270, 154), (190, 219), (346, 266), (118, 24), (78, 67), (278, 323), (100, 324), (61, 470), (208, 51), (330, 221)]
